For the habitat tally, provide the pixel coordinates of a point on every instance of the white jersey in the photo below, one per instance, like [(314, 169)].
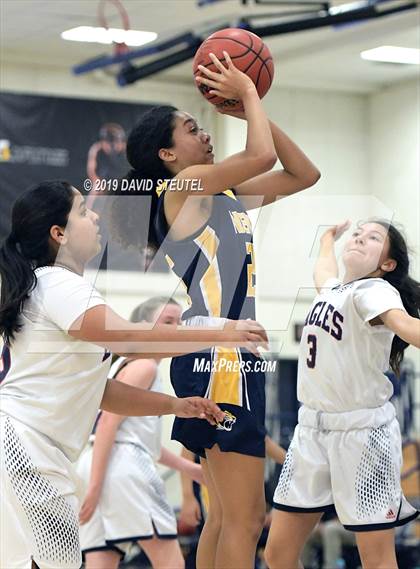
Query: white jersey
[(52, 382), (342, 358), (145, 432)]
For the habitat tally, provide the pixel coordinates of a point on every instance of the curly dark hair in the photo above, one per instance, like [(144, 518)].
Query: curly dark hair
[(134, 226)]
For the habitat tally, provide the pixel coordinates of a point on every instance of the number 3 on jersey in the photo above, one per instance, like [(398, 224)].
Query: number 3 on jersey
[(5, 362), (311, 360)]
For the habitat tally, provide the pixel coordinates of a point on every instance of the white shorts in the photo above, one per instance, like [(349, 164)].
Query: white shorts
[(132, 505), (351, 461), (39, 503)]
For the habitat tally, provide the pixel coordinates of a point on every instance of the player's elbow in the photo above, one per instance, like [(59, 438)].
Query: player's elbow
[(310, 178), (265, 161)]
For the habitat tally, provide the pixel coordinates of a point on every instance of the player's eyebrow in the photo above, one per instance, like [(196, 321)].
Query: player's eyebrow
[(82, 204), (377, 232), (190, 120)]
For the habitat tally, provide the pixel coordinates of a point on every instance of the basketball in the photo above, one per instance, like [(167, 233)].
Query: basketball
[(248, 53)]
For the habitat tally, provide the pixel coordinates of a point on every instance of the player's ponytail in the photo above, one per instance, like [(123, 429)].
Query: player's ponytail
[(28, 247), (408, 288), (153, 132)]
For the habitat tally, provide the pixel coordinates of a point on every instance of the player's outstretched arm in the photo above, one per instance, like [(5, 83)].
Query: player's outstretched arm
[(102, 326), (326, 266), (123, 399), (403, 325), (183, 465)]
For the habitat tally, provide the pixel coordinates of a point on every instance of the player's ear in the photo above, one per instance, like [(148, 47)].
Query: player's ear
[(167, 155), (389, 265), (57, 234)]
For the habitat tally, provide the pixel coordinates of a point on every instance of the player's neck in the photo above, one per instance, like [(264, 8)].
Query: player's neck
[(351, 276), (70, 264)]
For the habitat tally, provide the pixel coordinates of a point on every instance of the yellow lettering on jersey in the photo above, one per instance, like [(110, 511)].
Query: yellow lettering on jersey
[(226, 380), (161, 188), (210, 283), (251, 270), (171, 266), (241, 222), (169, 261), (230, 194)]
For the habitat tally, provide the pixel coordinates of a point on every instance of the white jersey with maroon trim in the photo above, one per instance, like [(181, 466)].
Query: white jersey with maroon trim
[(342, 357), (49, 380)]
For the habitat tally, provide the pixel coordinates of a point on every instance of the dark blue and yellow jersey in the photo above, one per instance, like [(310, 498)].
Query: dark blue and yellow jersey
[(216, 264)]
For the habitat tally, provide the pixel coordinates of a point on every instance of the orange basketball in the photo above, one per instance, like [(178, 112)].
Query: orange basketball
[(248, 53)]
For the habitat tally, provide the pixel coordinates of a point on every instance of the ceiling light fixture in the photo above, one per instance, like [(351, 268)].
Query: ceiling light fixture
[(393, 54), (108, 36)]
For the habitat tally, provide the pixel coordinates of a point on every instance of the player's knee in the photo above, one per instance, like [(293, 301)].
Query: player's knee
[(250, 526), (214, 523), (279, 553), (178, 562), (378, 558), (273, 555)]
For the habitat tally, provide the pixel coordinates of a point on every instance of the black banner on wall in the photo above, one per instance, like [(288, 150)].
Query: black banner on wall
[(44, 138)]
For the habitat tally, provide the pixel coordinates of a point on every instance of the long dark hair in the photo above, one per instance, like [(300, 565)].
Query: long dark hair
[(399, 278), (153, 132), (28, 246)]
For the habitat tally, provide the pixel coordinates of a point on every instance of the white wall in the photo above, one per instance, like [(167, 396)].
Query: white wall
[(394, 151)]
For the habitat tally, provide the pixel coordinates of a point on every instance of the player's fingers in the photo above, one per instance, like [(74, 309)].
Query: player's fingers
[(217, 63), (208, 72), (257, 339), (209, 82), (217, 92), (253, 348), (213, 410), (228, 60), (258, 329), (341, 228)]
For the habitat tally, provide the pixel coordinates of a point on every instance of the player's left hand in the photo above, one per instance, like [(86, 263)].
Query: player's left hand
[(336, 231), (195, 472), (198, 407), (190, 514), (88, 507)]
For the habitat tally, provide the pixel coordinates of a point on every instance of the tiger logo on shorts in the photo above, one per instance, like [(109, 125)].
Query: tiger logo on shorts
[(228, 422)]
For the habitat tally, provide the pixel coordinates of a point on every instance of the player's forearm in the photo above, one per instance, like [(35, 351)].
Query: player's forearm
[(123, 399), (414, 332), (176, 462), (293, 159), (164, 341), (326, 266), (104, 441), (259, 142), (186, 482), (403, 325), (274, 451)]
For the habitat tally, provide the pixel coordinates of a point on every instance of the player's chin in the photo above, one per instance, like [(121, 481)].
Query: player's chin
[(209, 158)]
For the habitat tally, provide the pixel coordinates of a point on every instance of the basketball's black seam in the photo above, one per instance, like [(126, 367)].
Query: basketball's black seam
[(249, 49), (255, 59), (259, 72)]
